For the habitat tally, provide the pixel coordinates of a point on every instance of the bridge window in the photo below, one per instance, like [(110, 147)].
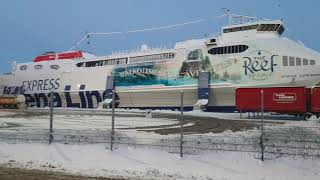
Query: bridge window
[(271, 27), (242, 28), (280, 30), (291, 61), (305, 62), (285, 60), (228, 49), (298, 61)]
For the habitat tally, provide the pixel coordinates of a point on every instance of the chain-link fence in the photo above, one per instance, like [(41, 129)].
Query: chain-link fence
[(261, 133)]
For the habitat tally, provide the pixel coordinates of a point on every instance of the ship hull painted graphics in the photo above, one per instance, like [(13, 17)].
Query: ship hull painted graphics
[(158, 83)]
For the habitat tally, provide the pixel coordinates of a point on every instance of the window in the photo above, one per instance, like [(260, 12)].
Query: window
[(305, 62), (228, 49), (80, 64), (55, 67), (285, 60), (298, 61), (23, 67), (67, 87), (280, 30), (312, 62), (155, 57), (271, 27), (261, 27), (242, 28), (82, 87), (291, 61), (37, 67)]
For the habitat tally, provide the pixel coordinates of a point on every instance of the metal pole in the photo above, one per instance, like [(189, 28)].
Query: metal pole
[(181, 124), (51, 117), (112, 123), (262, 126)]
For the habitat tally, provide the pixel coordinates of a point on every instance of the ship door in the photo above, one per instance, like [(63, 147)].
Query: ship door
[(203, 90)]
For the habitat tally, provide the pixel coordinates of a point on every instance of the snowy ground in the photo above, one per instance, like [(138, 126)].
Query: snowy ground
[(143, 163), (78, 132)]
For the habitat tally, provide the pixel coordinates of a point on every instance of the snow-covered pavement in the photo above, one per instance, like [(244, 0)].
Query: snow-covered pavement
[(144, 163)]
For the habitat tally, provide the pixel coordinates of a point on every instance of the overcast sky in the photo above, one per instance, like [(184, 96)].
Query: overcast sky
[(31, 27)]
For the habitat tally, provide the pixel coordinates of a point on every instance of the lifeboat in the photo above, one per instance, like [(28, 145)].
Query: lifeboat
[(70, 55)]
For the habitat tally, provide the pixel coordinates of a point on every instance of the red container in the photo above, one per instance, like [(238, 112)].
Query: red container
[(315, 100), (276, 99)]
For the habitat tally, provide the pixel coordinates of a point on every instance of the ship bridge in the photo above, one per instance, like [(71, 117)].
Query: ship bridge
[(263, 29)]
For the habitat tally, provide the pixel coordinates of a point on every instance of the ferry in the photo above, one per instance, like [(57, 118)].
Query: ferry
[(251, 53)]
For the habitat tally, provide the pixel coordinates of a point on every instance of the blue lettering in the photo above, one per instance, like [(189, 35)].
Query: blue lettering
[(56, 99), (30, 102), (83, 99), (69, 101), (89, 96), (41, 100)]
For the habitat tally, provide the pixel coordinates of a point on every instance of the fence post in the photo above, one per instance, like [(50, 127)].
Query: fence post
[(112, 123), (262, 126), (181, 123), (51, 118)]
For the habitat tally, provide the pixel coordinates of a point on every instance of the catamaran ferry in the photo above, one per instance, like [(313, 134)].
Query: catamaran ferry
[(247, 54)]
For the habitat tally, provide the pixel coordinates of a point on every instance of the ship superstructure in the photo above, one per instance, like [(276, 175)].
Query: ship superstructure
[(248, 54)]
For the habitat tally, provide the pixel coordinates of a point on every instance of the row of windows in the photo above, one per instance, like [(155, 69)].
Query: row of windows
[(242, 28), (268, 27), (38, 67), (125, 60), (103, 62), (292, 61), (271, 27), (153, 57), (262, 27), (228, 49)]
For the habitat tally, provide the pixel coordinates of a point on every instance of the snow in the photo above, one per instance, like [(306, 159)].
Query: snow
[(82, 155), (144, 163)]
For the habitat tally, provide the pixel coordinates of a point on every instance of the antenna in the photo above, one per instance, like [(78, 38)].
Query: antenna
[(88, 34), (233, 17)]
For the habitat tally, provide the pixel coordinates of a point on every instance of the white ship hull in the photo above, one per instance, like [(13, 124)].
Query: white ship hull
[(155, 78)]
